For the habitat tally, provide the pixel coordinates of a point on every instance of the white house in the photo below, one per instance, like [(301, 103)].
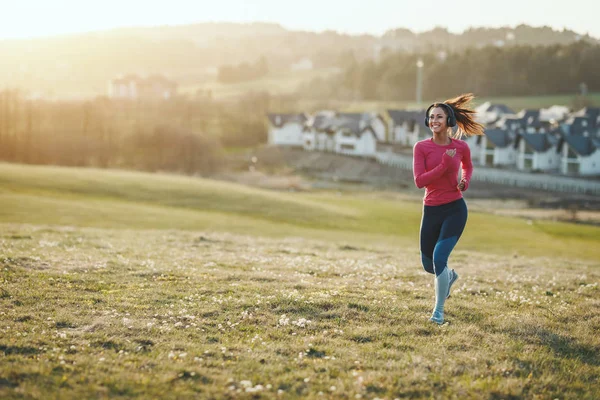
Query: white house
[(538, 152), (356, 142), (580, 155), (316, 130), (498, 148), (407, 127), (124, 87), (286, 129), (348, 133), (364, 120), (475, 144), (132, 87), (325, 140), (309, 141), (305, 64)]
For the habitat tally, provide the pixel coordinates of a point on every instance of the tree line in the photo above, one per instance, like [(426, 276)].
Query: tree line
[(183, 135), (243, 72), (490, 71)]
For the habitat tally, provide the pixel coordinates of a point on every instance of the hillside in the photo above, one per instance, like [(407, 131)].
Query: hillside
[(82, 64), (108, 198), (117, 284)]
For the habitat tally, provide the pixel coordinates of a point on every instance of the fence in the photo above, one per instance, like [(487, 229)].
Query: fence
[(563, 184)]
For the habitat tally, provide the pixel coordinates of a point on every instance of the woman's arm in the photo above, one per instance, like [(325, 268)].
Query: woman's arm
[(467, 168), (423, 177)]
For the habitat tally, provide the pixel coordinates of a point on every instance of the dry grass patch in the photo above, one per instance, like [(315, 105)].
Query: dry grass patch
[(149, 314)]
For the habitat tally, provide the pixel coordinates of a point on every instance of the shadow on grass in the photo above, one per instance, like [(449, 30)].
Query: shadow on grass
[(14, 379), (19, 350), (562, 346)]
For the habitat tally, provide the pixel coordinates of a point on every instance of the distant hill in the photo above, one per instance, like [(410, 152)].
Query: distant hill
[(442, 39), (82, 64)]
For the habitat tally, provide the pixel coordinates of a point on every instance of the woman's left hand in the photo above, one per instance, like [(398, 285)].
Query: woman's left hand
[(461, 186)]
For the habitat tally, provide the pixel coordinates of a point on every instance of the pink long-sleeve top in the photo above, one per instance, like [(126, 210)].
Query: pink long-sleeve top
[(437, 172)]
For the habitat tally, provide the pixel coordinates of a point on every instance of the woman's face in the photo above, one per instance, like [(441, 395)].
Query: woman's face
[(438, 120)]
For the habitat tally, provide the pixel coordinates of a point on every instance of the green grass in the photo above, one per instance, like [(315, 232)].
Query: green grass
[(173, 314), (120, 284), (99, 198), (276, 83)]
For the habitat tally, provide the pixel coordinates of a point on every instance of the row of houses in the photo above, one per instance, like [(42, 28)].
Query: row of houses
[(553, 140)]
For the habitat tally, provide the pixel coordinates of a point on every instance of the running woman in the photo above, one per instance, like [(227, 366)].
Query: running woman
[(436, 164)]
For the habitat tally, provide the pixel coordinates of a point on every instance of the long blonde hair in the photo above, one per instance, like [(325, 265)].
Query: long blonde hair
[(465, 115)]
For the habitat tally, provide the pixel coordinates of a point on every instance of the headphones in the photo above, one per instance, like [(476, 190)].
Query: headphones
[(450, 121)]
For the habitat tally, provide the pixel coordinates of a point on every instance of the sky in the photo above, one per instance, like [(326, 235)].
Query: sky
[(36, 18)]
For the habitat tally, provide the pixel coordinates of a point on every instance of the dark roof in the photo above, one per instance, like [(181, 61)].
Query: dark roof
[(321, 122), (401, 116), (499, 137), (511, 122), (368, 129), (529, 114), (592, 113), (582, 145), (355, 122), (555, 135), (348, 122), (286, 118), (356, 116), (579, 125), (539, 141)]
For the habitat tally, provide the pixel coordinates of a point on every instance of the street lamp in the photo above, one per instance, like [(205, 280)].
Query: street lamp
[(419, 81)]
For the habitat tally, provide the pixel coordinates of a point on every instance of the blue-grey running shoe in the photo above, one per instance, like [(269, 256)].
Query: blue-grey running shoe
[(453, 279), (437, 317)]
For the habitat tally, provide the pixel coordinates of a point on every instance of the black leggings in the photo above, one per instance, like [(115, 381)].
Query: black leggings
[(441, 228)]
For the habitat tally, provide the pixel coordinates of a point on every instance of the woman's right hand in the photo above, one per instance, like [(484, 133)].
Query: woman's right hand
[(447, 160)]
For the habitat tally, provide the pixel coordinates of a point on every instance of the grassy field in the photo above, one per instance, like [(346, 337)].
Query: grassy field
[(276, 83), (129, 285)]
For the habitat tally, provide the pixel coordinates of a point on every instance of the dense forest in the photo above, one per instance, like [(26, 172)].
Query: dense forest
[(489, 71)]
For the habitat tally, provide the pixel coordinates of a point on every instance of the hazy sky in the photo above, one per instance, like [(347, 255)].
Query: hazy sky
[(28, 18)]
